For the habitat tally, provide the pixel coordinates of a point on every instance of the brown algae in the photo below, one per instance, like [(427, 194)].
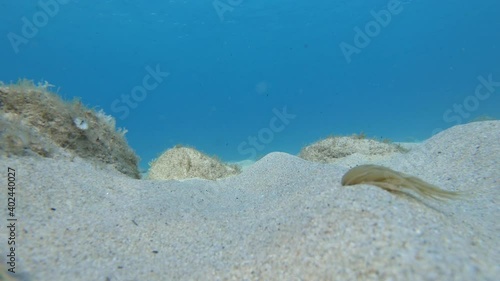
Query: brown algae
[(394, 181)]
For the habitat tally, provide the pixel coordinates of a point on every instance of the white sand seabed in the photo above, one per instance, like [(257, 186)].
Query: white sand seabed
[(283, 218)]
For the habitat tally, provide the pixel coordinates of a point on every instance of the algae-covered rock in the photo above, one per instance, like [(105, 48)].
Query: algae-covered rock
[(35, 121), (332, 148), (185, 162)]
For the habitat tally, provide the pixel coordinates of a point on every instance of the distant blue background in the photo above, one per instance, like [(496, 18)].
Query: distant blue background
[(226, 76)]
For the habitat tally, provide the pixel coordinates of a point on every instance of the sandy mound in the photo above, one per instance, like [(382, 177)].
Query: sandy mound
[(283, 218)]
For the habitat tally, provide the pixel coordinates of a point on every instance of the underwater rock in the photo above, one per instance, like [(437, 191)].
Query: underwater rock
[(185, 162), (35, 121), (332, 148)]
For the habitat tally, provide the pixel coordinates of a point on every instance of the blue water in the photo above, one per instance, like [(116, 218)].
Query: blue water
[(232, 64)]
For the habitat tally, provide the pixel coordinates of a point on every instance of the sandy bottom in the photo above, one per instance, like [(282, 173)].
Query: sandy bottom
[(283, 218)]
